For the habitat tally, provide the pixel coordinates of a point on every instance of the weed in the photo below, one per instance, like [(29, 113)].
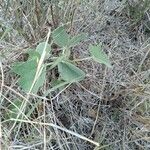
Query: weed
[(68, 72), (40, 110)]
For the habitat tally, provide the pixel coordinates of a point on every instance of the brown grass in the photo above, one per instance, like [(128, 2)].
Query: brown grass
[(110, 107)]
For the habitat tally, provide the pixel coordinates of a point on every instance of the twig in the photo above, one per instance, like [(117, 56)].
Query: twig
[(58, 127)]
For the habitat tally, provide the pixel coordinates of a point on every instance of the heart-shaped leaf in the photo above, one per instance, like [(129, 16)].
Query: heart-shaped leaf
[(27, 71), (23, 68), (60, 36), (69, 72), (98, 55)]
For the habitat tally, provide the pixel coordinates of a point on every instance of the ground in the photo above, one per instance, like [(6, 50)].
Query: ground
[(110, 107)]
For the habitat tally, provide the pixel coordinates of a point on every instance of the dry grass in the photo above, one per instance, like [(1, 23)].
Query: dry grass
[(111, 107)]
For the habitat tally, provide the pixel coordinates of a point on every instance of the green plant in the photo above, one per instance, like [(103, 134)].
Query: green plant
[(33, 71)]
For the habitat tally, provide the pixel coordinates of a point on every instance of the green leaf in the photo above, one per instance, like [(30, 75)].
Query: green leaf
[(98, 55), (69, 72), (33, 54), (40, 81), (23, 68), (60, 36), (57, 83), (56, 62), (41, 47), (77, 39), (27, 71)]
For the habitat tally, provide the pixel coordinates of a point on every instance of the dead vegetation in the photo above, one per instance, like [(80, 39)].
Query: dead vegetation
[(110, 107)]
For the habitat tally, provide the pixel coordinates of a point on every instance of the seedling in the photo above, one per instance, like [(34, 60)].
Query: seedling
[(68, 71)]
